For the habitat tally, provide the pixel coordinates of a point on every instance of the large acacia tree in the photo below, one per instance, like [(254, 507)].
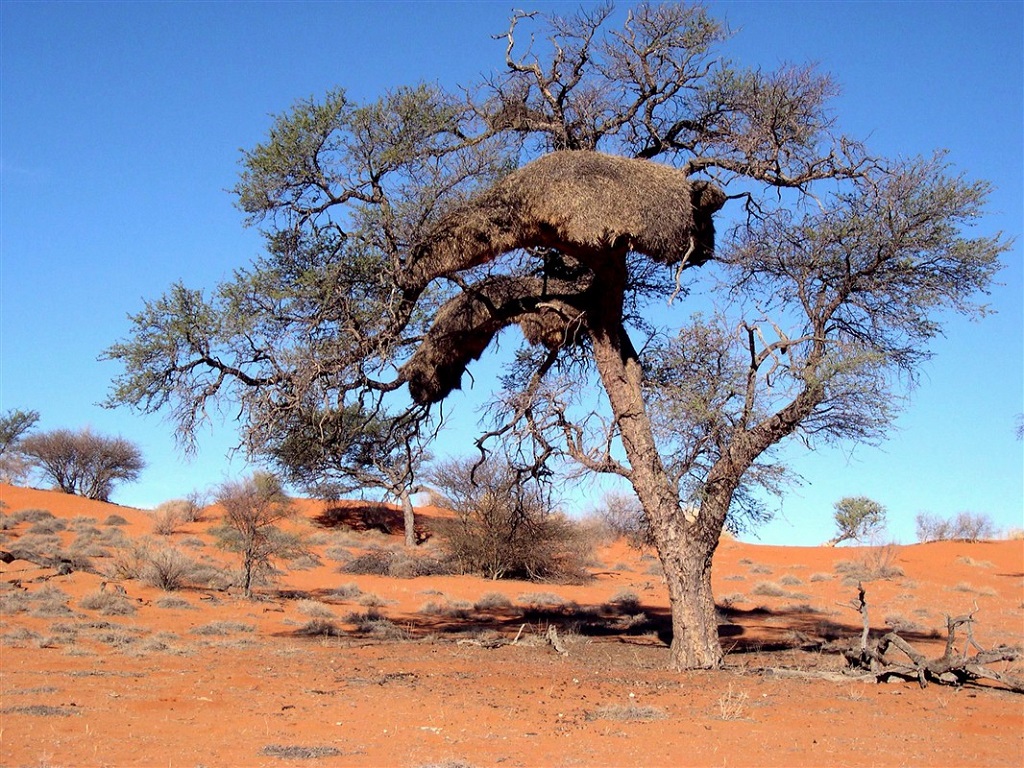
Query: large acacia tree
[(571, 194)]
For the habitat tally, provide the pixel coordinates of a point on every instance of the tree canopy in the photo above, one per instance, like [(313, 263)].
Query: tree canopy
[(572, 194)]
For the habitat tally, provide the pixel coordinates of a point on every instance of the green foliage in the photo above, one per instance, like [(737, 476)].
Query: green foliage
[(857, 518)]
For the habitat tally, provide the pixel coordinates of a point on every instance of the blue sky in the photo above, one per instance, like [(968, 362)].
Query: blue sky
[(121, 126)]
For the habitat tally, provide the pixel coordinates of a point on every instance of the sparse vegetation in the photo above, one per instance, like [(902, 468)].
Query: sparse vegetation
[(627, 713), (965, 526), (169, 516), (107, 603), (253, 508), (876, 563), (506, 526)]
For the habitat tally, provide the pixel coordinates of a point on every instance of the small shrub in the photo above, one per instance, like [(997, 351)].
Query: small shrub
[(376, 562), (758, 568), (728, 601), (790, 580), (966, 560), (292, 752), (876, 563), (377, 625), (107, 603), (40, 710), (348, 591), (49, 602), (168, 569), (543, 600), (626, 600), (769, 589), (732, 703), (338, 554), (173, 602), (506, 527), (627, 713), (624, 516), (315, 609), (115, 520), (32, 516), (458, 609), (218, 628), (320, 627), (493, 601), (47, 527)]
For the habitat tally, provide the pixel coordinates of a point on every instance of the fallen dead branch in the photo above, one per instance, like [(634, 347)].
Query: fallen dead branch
[(955, 667)]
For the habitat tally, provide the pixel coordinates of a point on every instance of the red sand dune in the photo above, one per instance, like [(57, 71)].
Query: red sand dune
[(205, 677)]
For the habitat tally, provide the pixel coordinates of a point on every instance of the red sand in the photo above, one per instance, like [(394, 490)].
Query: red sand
[(81, 688)]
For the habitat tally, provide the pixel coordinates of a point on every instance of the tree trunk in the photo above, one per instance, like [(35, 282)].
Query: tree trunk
[(695, 643), (686, 546), (409, 519)]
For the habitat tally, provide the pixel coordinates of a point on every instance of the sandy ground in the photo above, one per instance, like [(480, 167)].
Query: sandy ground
[(330, 668)]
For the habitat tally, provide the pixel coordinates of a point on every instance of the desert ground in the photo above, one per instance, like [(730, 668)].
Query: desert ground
[(325, 667)]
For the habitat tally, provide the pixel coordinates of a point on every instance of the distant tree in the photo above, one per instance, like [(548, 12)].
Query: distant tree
[(334, 452), (572, 195), (965, 526), (14, 425), (624, 515), (253, 508), (856, 518), (84, 463)]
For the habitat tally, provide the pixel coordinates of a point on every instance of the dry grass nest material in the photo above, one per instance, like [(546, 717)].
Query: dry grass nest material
[(586, 206)]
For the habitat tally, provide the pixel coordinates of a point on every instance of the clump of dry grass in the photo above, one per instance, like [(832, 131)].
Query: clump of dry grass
[(876, 563), (493, 601), (376, 624), (222, 628), (769, 589), (627, 713), (314, 609), (453, 609), (319, 627), (625, 600), (294, 752), (107, 603)]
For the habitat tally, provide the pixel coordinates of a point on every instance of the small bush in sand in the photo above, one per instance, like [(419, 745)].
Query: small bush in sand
[(107, 603), (493, 601), (314, 608), (626, 600), (627, 713), (222, 628)]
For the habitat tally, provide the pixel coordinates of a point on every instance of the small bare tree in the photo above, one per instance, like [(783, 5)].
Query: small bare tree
[(253, 508), (84, 463)]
